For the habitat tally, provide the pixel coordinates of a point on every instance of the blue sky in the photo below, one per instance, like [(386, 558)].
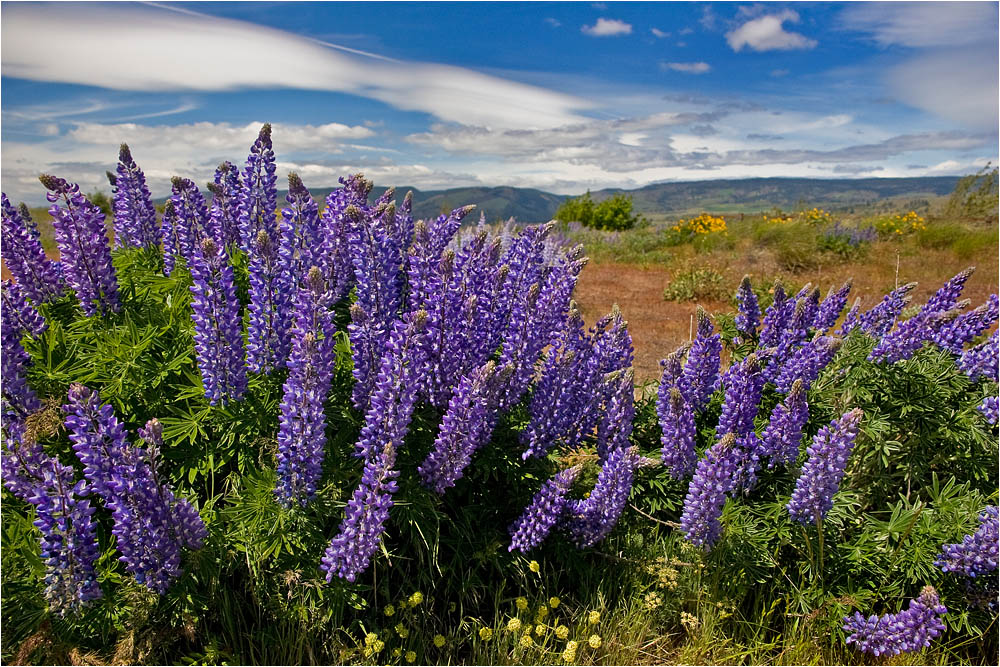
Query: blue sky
[(559, 96)]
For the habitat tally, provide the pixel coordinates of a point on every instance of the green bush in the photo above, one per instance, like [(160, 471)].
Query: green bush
[(612, 214), (695, 285)]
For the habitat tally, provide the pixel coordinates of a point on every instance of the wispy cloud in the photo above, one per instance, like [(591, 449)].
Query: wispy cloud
[(659, 34), (767, 33), (687, 68), (72, 45), (923, 24), (607, 28), (555, 23)]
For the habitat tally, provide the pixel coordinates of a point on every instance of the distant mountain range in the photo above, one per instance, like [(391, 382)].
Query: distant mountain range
[(750, 195)]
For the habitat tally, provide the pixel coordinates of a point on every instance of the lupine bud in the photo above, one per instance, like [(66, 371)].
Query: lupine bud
[(299, 229), (783, 434), (908, 631), (954, 335), (746, 383), (23, 255), (879, 320), (334, 257), (852, 319), (948, 294), (748, 318), (706, 495), (218, 324), (807, 362), (589, 521), (192, 220), (776, 318), (831, 307), (135, 216), (83, 247), (701, 372), (259, 197), (63, 516), (227, 205), (981, 361), (672, 369), (271, 293), (386, 424), (545, 510), (976, 554), (822, 472), (302, 434), (678, 433)]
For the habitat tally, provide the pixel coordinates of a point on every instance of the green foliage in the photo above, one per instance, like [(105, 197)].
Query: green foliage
[(696, 285), (612, 214)]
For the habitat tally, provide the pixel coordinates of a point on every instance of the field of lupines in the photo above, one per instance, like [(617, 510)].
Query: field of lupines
[(349, 436)]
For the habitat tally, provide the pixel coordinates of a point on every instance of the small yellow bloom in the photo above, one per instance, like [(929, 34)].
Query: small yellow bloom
[(528, 629), (389, 610), (522, 603), (402, 631), (410, 656), (416, 598), (543, 611), (526, 641), (368, 651), (486, 634), (439, 640), (594, 641), (534, 567), (569, 654), (396, 652), (378, 645), (594, 617), (562, 632), (554, 602), (514, 624), (370, 638)]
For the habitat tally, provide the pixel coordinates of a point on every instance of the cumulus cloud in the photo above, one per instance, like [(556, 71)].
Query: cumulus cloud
[(607, 28), (687, 68), (155, 48), (767, 33)]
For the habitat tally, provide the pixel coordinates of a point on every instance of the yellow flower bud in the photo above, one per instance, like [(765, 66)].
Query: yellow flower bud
[(389, 610), (526, 641), (410, 656), (594, 641), (521, 603), (486, 634), (534, 567), (439, 640), (562, 632), (594, 617), (514, 624), (416, 598)]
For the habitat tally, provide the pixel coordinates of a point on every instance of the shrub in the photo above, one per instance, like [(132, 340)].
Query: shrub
[(612, 214), (702, 225), (846, 242), (899, 225), (976, 196), (696, 285)]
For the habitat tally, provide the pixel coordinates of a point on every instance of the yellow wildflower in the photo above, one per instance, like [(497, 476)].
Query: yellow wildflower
[(534, 567), (410, 656), (554, 602), (594, 641), (569, 654), (539, 630), (416, 598), (402, 631), (527, 641), (389, 610), (543, 611), (522, 603), (486, 634), (368, 651), (514, 624), (594, 617), (562, 632), (439, 640), (378, 645), (370, 638), (396, 652)]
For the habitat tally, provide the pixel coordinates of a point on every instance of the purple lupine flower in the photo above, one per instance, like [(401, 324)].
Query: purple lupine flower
[(562, 398), (192, 215), (227, 205), (259, 197), (271, 293), (852, 319), (701, 372), (63, 516), (151, 525), (614, 427), (334, 257), (302, 434), (218, 324), (830, 309), (748, 317), (83, 246), (299, 229), (954, 335), (807, 362), (990, 409), (982, 360), (948, 294), (377, 264), (739, 408), (748, 452), (135, 216), (706, 495), (19, 318), (976, 554), (545, 510), (821, 474), (589, 521), (783, 434), (671, 370), (386, 424), (877, 321), (175, 239), (776, 317), (902, 342), (24, 257), (678, 433), (466, 426), (904, 632)]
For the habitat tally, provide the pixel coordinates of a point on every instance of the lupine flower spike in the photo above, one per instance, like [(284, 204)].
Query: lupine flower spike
[(748, 317), (908, 631), (546, 509), (822, 472), (39, 277), (135, 217), (259, 197), (678, 434), (712, 481)]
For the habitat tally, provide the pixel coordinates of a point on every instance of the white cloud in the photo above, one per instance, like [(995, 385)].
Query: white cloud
[(688, 68), (555, 23), (767, 33), (156, 49), (924, 24), (607, 28), (659, 33), (958, 85)]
